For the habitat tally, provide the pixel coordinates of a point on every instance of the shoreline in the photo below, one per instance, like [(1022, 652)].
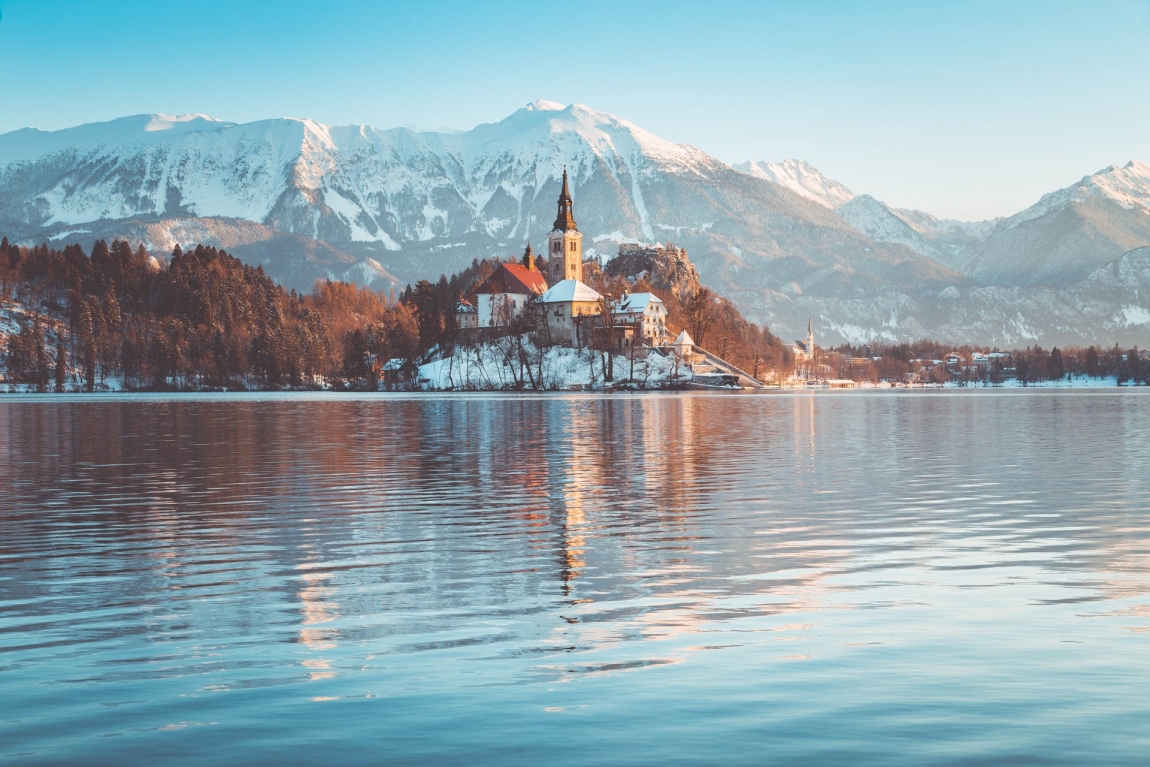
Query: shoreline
[(1096, 385)]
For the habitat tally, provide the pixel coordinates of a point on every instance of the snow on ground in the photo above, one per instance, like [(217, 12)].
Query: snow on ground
[(1077, 382), (497, 365)]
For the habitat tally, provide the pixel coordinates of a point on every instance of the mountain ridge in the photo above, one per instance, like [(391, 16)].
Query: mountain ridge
[(396, 205)]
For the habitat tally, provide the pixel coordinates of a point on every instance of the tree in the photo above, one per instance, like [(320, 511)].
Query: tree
[(700, 314), (61, 363)]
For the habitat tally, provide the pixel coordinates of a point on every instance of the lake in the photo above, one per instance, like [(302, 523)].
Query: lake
[(863, 578)]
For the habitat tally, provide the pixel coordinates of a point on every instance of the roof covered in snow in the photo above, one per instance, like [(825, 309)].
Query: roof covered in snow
[(684, 339), (638, 303), (569, 290), (514, 278)]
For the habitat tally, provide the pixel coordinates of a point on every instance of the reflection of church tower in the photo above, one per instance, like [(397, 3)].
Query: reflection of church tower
[(565, 256)]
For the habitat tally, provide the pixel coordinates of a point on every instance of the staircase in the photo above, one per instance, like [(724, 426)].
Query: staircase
[(714, 364)]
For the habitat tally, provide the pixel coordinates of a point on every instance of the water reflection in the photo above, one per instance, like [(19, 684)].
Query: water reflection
[(196, 560)]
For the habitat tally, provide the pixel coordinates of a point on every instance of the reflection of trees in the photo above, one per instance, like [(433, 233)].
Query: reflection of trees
[(436, 510)]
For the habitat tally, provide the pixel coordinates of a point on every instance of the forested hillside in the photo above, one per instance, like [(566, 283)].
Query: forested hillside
[(203, 320)]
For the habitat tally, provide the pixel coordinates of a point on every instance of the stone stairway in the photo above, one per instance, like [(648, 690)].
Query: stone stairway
[(713, 364)]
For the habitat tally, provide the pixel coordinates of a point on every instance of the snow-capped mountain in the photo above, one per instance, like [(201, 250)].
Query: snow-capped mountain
[(800, 177), (876, 220), (424, 203), (1069, 233), (387, 207), (947, 241)]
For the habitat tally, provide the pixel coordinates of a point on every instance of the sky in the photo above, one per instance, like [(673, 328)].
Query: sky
[(964, 109)]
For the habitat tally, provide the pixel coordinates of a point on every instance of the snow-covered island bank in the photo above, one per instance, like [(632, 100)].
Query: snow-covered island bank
[(517, 363)]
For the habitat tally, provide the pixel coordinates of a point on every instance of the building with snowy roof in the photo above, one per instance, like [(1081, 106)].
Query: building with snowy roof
[(646, 313), (567, 307), (466, 315), (503, 296)]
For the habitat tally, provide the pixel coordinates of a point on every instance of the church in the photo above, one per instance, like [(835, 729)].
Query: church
[(564, 304), (569, 298)]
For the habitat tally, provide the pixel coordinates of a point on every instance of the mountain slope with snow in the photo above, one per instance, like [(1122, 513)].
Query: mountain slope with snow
[(800, 177), (1068, 233), (879, 222), (1109, 305), (946, 241)]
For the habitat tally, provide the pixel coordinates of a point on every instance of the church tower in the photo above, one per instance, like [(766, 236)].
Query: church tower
[(565, 254)]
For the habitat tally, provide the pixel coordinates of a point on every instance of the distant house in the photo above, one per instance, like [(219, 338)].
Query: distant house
[(466, 315), (646, 313), (566, 307), (504, 295)]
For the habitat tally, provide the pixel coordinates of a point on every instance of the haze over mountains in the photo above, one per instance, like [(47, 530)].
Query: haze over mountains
[(388, 207)]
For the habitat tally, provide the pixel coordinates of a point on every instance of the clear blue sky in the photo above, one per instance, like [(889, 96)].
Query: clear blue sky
[(965, 109)]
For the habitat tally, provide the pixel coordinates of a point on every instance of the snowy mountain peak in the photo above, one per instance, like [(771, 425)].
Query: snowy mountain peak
[(1129, 185), (802, 178), (542, 105), (163, 122)]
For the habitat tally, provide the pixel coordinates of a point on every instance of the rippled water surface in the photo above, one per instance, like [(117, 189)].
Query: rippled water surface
[(844, 578)]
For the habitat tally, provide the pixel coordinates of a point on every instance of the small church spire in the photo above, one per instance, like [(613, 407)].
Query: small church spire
[(529, 257), (565, 220)]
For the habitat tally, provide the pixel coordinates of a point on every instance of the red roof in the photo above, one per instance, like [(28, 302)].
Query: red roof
[(514, 278)]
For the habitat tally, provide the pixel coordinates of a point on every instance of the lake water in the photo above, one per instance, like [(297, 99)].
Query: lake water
[(856, 578)]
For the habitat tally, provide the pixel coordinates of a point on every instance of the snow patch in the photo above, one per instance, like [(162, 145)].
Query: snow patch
[(1135, 315)]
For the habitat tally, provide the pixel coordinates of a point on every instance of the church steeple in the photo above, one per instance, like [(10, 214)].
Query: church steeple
[(565, 243), (529, 257), (565, 220)]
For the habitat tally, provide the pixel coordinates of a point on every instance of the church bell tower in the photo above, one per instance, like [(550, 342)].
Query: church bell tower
[(565, 251)]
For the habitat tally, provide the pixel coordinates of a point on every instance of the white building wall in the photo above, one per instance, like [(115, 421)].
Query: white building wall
[(490, 306)]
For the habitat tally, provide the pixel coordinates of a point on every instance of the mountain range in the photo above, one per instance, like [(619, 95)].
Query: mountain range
[(389, 207)]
